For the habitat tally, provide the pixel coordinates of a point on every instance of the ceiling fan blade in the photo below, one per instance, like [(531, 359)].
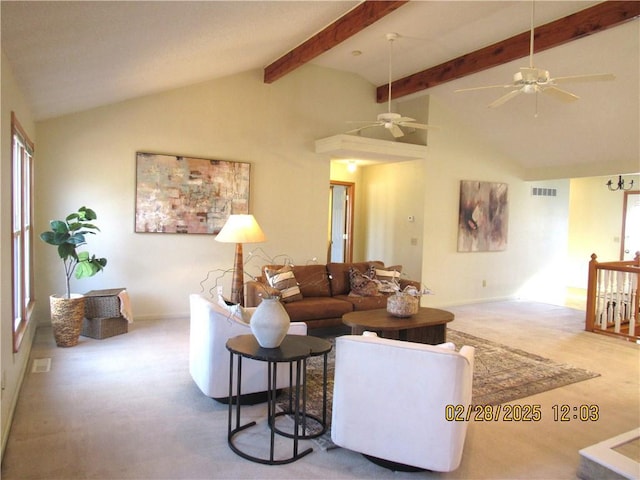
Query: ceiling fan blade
[(560, 94), (597, 77), (366, 122), (396, 131), (482, 88), (359, 129), (419, 126), (505, 98)]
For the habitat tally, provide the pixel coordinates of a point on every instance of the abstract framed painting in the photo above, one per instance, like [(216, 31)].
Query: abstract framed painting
[(483, 216), (180, 194)]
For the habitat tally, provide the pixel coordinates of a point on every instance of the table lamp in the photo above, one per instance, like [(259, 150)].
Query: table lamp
[(240, 229)]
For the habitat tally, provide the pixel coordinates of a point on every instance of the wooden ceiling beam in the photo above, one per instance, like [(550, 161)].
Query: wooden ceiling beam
[(349, 24), (578, 25)]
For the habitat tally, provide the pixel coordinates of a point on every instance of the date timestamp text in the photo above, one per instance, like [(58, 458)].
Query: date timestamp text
[(520, 413)]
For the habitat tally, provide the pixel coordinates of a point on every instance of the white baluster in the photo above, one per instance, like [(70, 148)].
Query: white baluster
[(618, 298), (628, 291), (632, 303), (600, 292), (608, 298)]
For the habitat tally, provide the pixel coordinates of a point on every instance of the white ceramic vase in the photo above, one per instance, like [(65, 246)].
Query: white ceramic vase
[(270, 323)]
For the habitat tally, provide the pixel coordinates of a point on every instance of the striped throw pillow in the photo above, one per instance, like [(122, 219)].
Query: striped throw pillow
[(285, 281)]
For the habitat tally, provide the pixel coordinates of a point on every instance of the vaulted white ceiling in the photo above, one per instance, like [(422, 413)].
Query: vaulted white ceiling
[(71, 56)]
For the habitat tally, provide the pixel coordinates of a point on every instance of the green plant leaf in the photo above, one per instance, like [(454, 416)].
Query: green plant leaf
[(72, 216), (66, 250), (90, 226), (48, 237), (88, 267), (75, 226), (60, 237), (77, 239), (88, 213), (59, 226), (85, 269)]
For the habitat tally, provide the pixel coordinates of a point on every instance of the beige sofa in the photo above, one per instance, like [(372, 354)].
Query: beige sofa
[(325, 292)]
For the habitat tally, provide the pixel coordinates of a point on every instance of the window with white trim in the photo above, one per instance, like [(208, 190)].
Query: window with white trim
[(22, 229)]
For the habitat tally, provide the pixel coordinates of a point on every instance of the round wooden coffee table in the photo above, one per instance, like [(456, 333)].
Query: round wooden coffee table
[(429, 325)]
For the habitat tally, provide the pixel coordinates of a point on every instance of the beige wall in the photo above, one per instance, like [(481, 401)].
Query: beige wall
[(392, 193), (89, 159), (456, 154), (13, 364), (595, 224)]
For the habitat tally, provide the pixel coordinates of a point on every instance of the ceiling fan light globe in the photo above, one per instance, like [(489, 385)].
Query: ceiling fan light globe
[(389, 117), (543, 76)]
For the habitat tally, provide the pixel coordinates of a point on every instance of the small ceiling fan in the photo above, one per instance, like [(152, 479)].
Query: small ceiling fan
[(533, 80), (389, 120)]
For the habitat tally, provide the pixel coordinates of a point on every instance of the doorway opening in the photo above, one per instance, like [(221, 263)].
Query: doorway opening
[(340, 239)]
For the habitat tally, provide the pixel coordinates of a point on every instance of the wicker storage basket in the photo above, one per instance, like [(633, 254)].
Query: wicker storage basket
[(102, 303), (104, 327), (102, 314)]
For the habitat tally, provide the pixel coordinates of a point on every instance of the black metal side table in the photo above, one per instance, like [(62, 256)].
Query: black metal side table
[(293, 350), (318, 347)]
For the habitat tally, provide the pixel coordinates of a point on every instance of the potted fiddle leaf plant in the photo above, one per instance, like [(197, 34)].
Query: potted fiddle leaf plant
[(68, 235)]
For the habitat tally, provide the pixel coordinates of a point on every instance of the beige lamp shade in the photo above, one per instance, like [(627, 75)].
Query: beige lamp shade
[(241, 229)]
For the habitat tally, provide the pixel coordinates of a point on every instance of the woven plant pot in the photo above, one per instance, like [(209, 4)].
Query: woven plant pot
[(66, 318)]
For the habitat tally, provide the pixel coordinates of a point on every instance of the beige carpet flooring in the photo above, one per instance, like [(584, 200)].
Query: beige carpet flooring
[(126, 408)]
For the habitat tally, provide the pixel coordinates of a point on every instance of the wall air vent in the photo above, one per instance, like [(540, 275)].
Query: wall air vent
[(41, 365), (543, 192)]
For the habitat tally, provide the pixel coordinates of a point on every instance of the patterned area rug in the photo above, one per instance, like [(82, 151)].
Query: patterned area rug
[(501, 374)]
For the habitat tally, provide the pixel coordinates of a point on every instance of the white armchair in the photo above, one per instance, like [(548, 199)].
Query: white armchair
[(211, 326), (389, 401)]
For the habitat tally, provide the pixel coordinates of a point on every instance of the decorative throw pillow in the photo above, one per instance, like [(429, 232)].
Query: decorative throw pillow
[(389, 273), (362, 284), (388, 278), (285, 281), (237, 310)]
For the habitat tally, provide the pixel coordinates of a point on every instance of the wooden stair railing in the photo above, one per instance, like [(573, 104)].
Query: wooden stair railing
[(612, 298)]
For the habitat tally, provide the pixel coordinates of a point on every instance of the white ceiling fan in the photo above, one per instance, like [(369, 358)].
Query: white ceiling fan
[(533, 80), (389, 120)]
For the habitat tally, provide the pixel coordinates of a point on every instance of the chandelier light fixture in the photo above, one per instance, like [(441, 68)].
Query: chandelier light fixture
[(619, 186)]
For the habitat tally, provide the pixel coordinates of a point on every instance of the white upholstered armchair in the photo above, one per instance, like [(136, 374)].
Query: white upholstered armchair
[(389, 401), (211, 326)]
